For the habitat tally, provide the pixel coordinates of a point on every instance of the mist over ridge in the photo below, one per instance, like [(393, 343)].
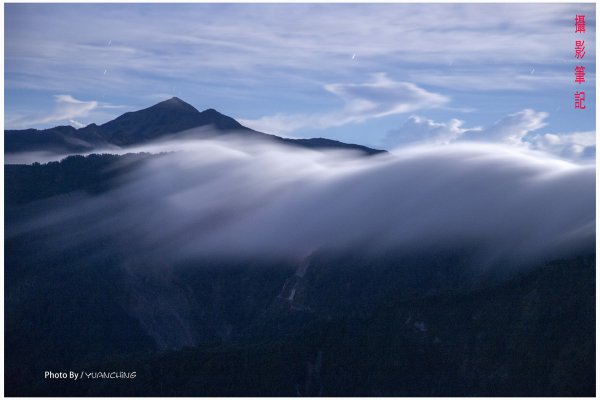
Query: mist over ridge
[(234, 196)]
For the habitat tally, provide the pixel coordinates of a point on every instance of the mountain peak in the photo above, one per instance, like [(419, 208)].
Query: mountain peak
[(164, 118), (175, 103), (175, 100)]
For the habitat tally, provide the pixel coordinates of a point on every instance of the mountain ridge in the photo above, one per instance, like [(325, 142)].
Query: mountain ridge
[(157, 121)]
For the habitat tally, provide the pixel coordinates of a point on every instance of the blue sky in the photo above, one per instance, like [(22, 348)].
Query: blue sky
[(382, 75)]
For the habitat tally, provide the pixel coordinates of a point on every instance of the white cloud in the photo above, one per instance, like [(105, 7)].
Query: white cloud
[(383, 96), (379, 97), (576, 145), (515, 129), (66, 108), (422, 130), (510, 129), (76, 124)]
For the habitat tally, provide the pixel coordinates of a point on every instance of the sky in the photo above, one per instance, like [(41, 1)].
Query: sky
[(382, 75)]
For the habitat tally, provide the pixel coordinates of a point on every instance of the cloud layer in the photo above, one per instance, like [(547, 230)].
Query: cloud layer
[(242, 199)]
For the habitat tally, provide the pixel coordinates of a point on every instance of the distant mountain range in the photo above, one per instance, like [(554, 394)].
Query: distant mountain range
[(157, 122)]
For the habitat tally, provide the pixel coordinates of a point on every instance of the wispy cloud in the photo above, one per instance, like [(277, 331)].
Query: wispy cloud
[(503, 79), (379, 97), (66, 110), (268, 38)]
